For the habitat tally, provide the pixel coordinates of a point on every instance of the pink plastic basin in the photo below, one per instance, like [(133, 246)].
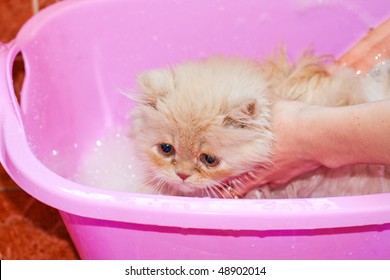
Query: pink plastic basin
[(77, 53)]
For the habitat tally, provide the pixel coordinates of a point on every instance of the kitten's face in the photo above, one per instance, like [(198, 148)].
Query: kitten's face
[(200, 124)]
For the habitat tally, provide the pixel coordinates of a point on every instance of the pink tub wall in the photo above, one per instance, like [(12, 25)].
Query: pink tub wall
[(135, 241), (78, 52), (131, 40)]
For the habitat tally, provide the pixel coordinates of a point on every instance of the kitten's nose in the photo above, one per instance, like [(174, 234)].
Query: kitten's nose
[(183, 176)]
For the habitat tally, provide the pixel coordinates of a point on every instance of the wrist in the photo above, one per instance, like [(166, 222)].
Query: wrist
[(293, 132), (305, 127)]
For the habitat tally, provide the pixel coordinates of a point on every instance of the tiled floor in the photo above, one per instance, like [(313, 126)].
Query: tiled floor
[(28, 228)]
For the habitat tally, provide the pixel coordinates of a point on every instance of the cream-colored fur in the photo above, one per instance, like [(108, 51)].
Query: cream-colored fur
[(220, 107)]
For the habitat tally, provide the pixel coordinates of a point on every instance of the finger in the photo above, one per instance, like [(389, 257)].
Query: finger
[(250, 180), (370, 50)]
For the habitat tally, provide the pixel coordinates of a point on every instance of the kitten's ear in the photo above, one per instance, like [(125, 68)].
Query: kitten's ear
[(154, 85), (243, 114)]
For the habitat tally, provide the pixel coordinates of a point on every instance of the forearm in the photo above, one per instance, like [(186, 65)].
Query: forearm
[(307, 136), (346, 135)]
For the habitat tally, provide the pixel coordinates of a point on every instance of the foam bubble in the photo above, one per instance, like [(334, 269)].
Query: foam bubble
[(110, 164)]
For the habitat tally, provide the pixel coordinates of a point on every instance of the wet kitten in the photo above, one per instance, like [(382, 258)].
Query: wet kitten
[(199, 124)]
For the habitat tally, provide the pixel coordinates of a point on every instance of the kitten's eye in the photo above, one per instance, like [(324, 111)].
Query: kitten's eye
[(166, 150), (208, 160)]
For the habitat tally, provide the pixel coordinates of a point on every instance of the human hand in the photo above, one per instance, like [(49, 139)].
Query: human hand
[(290, 156), (369, 51)]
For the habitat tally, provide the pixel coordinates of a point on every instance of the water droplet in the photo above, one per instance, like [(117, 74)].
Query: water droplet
[(98, 143), (165, 205), (264, 17), (240, 21), (54, 152)]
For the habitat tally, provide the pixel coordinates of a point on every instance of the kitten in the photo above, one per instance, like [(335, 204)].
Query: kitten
[(199, 124)]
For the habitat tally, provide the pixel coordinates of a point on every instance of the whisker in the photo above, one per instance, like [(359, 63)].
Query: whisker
[(212, 185), (146, 185), (237, 194), (212, 190), (205, 190), (148, 179), (215, 185), (221, 193), (240, 183), (159, 187), (243, 187), (129, 93), (231, 190)]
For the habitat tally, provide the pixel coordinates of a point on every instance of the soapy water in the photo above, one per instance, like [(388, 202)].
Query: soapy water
[(110, 163)]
